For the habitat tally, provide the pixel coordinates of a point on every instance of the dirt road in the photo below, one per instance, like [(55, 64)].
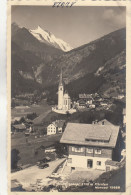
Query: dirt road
[(32, 174)]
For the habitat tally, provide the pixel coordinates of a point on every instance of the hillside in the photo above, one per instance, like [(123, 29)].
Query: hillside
[(28, 55), (26, 41), (88, 58), (98, 66)]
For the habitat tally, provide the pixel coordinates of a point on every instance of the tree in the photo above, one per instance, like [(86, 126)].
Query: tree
[(68, 114), (14, 158), (22, 120), (60, 149), (32, 116)]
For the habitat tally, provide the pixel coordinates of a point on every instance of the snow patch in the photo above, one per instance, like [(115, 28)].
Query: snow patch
[(45, 36)]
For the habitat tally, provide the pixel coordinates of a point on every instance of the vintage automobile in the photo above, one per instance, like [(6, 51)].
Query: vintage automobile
[(44, 160), (43, 166)]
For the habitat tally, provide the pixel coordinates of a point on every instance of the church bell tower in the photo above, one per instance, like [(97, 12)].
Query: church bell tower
[(60, 92)]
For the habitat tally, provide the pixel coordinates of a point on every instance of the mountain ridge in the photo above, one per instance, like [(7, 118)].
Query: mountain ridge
[(86, 64), (49, 38)]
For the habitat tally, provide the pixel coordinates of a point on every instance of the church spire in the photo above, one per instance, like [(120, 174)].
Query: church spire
[(61, 79)]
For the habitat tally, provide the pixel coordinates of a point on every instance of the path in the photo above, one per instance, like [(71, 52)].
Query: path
[(30, 175)]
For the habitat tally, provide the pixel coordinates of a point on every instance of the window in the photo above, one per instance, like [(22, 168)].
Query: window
[(89, 150), (97, 151), (77, 149), (99, 163), (73, 149)]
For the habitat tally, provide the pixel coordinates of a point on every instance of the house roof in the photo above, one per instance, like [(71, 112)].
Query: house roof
[(85, 95), (29, 121), (19, 126), (106, 122), (90, 134), (58, 123), (16, 119), (82, 101)]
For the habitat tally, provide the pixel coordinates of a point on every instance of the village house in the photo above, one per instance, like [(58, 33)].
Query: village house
[(85, 96), (92, 106), (81, 103), (56, 127), (102, 122), (90, 146), (18, 128), (16, 119)]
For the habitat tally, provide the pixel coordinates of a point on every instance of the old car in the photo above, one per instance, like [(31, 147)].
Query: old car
[(43, 166)]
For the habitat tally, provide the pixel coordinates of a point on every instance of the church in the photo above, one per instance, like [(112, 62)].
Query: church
[(64, 100)]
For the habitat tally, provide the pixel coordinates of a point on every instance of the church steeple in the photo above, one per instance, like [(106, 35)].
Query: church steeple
[(60, 92), (61, 79)]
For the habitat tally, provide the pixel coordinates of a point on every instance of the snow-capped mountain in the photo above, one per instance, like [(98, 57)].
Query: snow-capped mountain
[(49, 38)]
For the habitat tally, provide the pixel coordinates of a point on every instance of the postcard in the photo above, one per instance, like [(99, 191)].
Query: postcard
[(68, 65)]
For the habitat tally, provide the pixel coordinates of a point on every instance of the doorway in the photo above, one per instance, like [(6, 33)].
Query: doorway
[(89, 163)]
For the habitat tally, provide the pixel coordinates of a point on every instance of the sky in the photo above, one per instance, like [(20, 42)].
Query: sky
[(76, 25)]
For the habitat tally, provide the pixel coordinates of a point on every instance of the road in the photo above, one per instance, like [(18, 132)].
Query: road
[(30, 175)]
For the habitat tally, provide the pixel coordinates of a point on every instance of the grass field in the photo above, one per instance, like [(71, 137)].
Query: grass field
[(38, 109), (28, 150)]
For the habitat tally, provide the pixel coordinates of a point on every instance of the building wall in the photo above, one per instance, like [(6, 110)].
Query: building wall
[(67, 103), (60, 97), (51, 129), (72, 151), (60, 129), (82, 161), (105, 152)]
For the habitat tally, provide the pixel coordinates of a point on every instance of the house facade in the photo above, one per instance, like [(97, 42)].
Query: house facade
[(55, 127), (90, 146), (19, 127), (51, 129)]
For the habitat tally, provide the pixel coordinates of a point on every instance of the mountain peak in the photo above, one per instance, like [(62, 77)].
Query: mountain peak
[(49, 38)]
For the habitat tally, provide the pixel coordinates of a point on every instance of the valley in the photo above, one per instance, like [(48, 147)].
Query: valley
[(36, 63), (49, 79)]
